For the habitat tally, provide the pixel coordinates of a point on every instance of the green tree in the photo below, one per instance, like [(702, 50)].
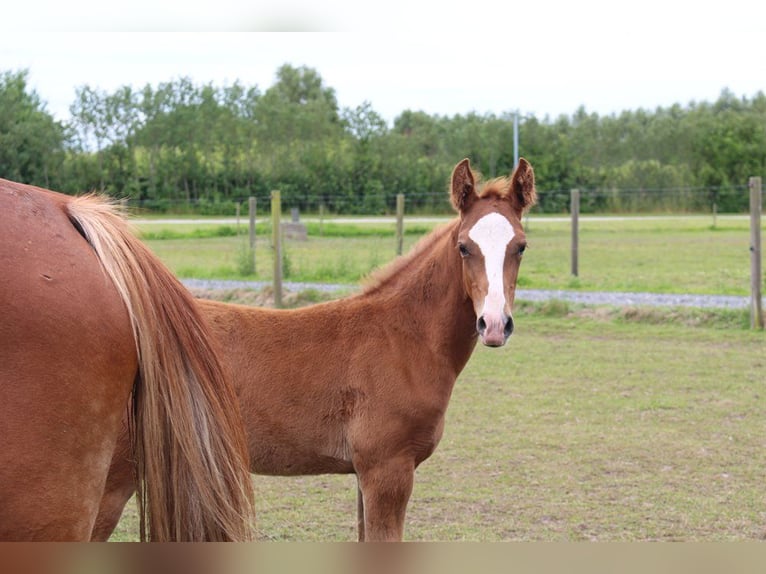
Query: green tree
[(367, 127), (209, 145), (31, 140), (299, 131), (297, 108)]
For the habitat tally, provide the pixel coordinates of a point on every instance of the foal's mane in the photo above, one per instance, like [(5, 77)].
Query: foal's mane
[(380, 277), (499, 187)]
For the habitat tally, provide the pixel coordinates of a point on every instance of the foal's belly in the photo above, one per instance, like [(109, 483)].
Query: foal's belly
[(274, 463), (280, 451)]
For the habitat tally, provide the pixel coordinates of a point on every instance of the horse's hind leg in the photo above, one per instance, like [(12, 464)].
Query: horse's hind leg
[(120, 486), (109, 513), (58, 430), (386, 489), (53, 463)]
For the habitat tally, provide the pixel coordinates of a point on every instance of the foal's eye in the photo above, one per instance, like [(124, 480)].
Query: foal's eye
[(463, 250), (522, 249)]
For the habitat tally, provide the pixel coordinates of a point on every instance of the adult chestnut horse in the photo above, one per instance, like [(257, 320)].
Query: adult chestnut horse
[(361, 385), (88, 319)]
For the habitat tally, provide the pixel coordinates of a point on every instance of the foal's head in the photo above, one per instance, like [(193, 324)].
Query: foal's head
[(491, 242)]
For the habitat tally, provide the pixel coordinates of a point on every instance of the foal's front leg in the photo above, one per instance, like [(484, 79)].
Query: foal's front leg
[(385, 488)]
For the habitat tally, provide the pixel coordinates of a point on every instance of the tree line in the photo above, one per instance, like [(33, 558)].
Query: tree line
[(184, 144)]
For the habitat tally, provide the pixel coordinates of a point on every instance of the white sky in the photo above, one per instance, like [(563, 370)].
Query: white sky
[(542, 57)]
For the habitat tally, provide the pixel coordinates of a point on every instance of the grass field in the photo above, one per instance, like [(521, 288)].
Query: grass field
[(662, 255), (591, 424), (582, 429)]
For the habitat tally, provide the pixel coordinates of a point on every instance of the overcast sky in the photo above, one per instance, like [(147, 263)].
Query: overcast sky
[(542, 57)]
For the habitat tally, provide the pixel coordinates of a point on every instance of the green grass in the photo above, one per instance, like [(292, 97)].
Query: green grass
[(326, 259), (591, 424), (187, 231), (662, 255)]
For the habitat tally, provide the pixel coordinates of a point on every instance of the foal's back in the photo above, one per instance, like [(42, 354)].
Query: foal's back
[(320, 383)]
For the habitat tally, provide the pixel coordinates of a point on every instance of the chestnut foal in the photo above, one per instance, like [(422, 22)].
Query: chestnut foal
[(361, 385)]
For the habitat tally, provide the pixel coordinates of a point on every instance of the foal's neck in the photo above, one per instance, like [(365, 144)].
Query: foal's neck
[(425, 293)]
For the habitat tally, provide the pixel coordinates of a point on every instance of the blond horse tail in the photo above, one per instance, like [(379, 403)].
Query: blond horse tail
[(188, 436)]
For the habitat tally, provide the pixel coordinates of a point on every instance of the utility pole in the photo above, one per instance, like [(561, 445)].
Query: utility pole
[(515, 139), (575, 213), (276, 240), (756, 207)]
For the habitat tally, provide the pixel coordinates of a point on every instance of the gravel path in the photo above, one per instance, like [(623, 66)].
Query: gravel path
[(586, 297)]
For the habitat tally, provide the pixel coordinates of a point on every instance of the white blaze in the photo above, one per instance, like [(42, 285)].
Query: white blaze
[(492, 233)]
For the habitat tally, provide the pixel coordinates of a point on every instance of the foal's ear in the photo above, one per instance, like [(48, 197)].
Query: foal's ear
[(462, 186), (523, 194)]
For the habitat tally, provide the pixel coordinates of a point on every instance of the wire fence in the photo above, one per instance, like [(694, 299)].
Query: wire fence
[(728, 199)]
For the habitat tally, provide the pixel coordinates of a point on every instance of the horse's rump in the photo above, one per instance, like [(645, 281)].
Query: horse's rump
[(68, 364), (63, 333)]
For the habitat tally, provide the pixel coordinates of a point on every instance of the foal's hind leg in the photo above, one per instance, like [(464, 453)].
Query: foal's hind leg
[(386, 488), (360, 511)]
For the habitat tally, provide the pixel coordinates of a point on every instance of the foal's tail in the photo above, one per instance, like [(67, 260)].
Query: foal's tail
[(190, 448)]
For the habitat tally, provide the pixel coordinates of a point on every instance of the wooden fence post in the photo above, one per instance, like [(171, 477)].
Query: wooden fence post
[(276, 231), (715, 215), (756, 206), (575, 211), (399, 222), (251, 206)]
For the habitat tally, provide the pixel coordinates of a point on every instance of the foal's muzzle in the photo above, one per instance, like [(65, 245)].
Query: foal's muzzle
[(494, 331)]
